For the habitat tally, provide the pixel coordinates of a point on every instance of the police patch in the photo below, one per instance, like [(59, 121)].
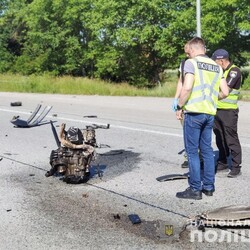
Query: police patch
[(233, 74)]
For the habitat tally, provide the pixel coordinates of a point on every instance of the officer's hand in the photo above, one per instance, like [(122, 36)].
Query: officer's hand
[(174, 104), (179, 114)]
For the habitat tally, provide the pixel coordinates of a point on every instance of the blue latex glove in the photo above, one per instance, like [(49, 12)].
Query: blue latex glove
[(174, 105)]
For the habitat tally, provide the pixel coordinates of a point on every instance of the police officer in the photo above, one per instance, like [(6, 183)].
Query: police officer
[(226, 119), (203, 84)]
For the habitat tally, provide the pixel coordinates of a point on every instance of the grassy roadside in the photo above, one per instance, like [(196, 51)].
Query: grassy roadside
[(85, 86), (81, 86), (245, 95)]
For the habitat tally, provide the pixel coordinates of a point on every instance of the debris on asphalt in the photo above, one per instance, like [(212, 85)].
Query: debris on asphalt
[(134, 218), (117, 217), (35, 119), (85, 195), (15, 104), (90, 116)]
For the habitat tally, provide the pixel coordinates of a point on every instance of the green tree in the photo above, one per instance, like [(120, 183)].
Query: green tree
[(135, 40), (116, 40), (10, 30), (226, 25), (55, 37)]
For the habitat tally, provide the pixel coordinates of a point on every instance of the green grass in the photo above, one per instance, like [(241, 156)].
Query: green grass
[(80, 86), (85, 86)]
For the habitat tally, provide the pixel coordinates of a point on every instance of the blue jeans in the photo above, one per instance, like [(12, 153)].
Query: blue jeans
[(198, 136)]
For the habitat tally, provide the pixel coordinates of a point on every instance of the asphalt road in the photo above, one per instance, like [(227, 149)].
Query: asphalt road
[(144, 142)]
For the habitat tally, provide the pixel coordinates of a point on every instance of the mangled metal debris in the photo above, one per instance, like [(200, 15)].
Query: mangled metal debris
[(95, 126), (229, 216), (76, 150), (170, 177), (35, 118)]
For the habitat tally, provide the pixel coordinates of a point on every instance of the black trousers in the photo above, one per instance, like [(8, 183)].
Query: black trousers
[(227, 140)]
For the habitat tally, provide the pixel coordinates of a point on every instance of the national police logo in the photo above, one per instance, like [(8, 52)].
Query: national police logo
[(233, 74), (169, 230)]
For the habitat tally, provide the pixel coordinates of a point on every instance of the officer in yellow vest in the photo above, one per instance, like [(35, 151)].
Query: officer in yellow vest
[(226, 119), (203, 85)]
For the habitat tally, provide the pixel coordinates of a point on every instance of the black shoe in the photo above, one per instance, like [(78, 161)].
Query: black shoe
[(221, 167), (208, 192), (189, 194), (235, 172), (184, 164)]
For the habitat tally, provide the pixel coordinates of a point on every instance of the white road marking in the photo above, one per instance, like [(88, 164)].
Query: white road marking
[(113, 126)]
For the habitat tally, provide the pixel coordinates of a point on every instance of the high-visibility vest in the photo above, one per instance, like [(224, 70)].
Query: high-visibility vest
[(205, 91), (231, 102)]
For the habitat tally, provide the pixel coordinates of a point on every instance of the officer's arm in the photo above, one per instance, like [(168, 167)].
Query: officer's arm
[(234, 78), (186, 89), (178, 88), (224, 90)]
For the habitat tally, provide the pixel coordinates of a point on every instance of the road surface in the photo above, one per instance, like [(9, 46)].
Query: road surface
[(144, 142)]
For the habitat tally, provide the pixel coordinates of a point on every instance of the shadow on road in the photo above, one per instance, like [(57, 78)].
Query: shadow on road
[(115, 162)]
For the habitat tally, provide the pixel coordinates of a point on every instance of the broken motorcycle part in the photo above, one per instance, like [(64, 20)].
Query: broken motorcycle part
[(35, 118)]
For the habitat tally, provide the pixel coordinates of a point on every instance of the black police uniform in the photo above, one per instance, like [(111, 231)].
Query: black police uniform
[(225, 127)]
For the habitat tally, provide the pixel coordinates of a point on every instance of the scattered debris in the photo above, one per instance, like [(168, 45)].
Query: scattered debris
[(117, 217), (229, 216), (15, 104), (85, 195), (170, 177), (33, 120), (95, 126), (134, 218), (90, 116)]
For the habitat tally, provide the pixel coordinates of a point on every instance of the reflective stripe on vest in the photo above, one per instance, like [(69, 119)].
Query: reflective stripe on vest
[(205, 91), (231, 102)]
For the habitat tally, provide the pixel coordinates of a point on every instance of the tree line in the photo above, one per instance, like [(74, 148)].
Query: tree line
[(130, 41)]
